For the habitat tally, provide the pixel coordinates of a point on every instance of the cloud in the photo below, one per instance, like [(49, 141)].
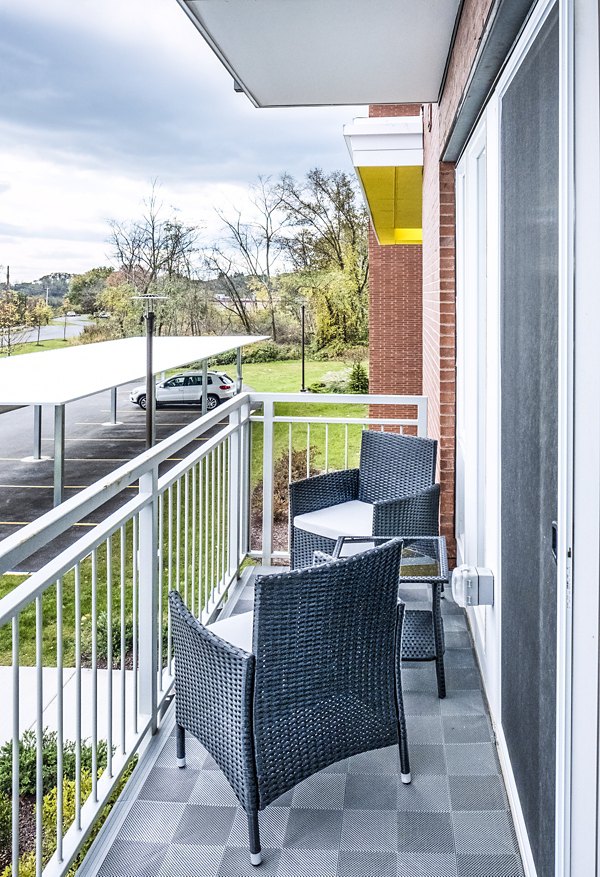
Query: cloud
[(98, 99)]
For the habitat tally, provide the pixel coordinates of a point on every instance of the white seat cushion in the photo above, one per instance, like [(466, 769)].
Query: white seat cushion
[(352, 518), (237, 630)]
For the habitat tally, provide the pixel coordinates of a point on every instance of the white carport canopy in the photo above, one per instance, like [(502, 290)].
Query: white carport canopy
[(55, 377), (324, 52)]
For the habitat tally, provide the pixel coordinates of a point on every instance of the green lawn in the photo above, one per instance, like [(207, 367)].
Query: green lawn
[(32, 347), (285, 377)]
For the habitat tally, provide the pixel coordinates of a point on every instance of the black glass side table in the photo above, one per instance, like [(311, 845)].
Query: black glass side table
[(424, 561)]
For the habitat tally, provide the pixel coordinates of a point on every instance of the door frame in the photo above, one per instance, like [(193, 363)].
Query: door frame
[(570, 734)]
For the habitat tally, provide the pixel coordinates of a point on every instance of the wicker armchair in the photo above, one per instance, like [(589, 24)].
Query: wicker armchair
[(310, 677), (391, 493)]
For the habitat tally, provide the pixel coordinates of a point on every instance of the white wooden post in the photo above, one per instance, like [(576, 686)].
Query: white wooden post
[(148, 598), (267, 521)]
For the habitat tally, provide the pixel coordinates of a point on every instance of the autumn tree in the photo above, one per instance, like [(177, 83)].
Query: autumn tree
[(326, 242), (39, 314), (84, 289), (14, 320)]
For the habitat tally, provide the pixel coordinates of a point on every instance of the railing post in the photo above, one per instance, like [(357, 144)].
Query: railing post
[(246, 475), (148, 598), (267, 521), (235, 491), (422, 417)]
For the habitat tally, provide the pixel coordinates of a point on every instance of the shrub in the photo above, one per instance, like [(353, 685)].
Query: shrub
[(5, 820), (27, 762), (102, 638), (359, 379), (27, 863), (49, 809), (332, 382), (266, 351), (281, 480)]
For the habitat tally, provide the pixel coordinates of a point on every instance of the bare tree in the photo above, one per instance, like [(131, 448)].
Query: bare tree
[(152, 247), (229, 279), (253, 250)]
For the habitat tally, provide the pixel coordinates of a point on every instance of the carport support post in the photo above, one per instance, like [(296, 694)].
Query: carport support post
[(113, 405), (37, 432), (204, 387), (59, 453), (238, 382)]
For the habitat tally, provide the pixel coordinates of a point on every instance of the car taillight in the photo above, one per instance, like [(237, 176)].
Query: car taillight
[(224, 387)]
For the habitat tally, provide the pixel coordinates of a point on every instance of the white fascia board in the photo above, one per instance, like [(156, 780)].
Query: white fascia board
[(385, 142)]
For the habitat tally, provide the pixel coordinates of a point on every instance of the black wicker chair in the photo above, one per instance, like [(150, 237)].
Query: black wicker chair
[(319, 684), (391, 493)]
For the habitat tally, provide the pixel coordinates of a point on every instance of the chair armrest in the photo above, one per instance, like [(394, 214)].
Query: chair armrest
[(214, 682), (414, 515), (323, 491)]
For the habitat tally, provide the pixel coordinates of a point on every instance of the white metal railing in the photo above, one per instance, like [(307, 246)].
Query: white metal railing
[(338, 442), (86, 639)]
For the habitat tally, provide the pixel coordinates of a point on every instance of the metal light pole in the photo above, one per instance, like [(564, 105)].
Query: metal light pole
[(302, 308), (149, 317)]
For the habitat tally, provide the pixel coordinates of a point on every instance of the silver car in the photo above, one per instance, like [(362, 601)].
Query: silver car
[(186, 389)]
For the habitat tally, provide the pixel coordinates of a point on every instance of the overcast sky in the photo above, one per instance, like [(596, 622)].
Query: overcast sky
[(100, 97)]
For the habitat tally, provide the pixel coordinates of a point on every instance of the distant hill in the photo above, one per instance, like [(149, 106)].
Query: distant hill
[(57, 285)]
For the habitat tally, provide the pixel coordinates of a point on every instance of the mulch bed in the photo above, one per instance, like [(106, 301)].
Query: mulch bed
[(26, 831)]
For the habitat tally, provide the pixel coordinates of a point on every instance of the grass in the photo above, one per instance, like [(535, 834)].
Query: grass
[(33, 347), (285, 377)]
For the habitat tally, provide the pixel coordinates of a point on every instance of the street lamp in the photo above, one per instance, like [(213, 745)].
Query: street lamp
[(149, 298), (303, 345)]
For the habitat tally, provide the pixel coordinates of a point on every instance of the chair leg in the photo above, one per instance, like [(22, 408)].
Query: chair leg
[(253, 833), (403, 747), (402, 733), (180, 743), (441, 676)]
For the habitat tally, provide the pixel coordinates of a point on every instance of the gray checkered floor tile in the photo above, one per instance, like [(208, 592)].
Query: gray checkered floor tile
[(354, 819)]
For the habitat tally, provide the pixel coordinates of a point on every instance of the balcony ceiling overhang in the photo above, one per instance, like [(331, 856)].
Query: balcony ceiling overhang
[(387, 154), (325, 52)]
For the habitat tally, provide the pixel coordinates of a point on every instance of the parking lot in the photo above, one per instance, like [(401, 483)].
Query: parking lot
[(92, 449)]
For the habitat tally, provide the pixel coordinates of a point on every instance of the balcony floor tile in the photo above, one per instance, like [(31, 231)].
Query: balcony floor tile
[(353, 819)]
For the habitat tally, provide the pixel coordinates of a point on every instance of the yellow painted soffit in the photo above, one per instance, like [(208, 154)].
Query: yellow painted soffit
[(395, 199)]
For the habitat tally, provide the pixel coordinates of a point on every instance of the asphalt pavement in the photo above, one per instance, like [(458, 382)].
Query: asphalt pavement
[(92, 449)]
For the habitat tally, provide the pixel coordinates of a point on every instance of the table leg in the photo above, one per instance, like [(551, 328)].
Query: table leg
[(438, 636)]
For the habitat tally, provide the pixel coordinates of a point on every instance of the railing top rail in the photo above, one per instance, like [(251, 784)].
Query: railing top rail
[(378, 421), (338, 398), (42, 530)]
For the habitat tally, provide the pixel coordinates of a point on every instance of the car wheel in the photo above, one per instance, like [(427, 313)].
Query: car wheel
[(142, 402), (211, 402)]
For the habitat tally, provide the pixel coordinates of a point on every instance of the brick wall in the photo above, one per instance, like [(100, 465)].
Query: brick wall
[(439, 313), (386, 110), (395, 308)]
